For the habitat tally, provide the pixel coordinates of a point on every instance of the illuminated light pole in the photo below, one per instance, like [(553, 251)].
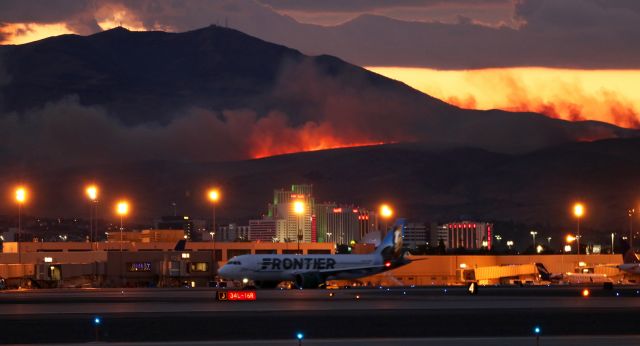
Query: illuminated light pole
[(386, 212), (612, 236), (92, 194), (533, 235), (631, 212), (122, 209), (214, 197), (578, 211), (298, 208), (21, 198)]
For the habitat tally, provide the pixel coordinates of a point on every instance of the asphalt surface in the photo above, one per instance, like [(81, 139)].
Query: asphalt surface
[(187, 315)]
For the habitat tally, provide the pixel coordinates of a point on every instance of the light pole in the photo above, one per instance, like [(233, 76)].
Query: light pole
[(631, 212), (298, 208), (122, 209), (578, 211), (214, 196), (92, 194), (533, 235), (386, 212), (612, 236), (509, 244), (21, 198)]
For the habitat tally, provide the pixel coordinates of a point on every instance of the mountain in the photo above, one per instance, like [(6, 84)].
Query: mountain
[(535, 189), (217, 94)]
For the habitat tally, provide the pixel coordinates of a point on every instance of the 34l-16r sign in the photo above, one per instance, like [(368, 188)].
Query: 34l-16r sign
[(236, 295)]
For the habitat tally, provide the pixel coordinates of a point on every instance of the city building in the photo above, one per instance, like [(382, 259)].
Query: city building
[(267, 229), (415, 234), (230, 232), (439, 233), (296, 225), (342, 224), (469, 235)]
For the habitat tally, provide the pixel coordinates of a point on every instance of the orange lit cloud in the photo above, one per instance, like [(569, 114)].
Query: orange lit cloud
[(19, 33), (604, 95)]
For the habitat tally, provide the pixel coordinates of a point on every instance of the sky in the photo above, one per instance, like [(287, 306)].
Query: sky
[(478, 54)]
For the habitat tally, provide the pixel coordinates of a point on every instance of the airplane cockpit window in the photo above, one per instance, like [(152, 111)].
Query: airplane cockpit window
[(234, 263)]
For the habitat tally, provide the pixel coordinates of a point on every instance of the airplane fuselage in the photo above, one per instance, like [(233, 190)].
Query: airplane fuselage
[(630, 268), (287, 267)]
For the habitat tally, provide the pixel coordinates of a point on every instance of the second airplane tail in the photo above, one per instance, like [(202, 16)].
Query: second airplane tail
[(628, 256), (391, 246)]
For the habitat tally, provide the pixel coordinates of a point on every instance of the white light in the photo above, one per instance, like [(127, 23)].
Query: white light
[(539, 249), (463, 265), (48, 259), (567, 248), (245, 281), (186, 255)]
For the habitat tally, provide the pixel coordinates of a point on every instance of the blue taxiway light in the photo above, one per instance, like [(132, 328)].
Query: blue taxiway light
[(300, 336), (97, 320), (536, 330)]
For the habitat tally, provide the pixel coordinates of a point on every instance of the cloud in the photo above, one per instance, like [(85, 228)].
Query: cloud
[(473, 33), (369, 5)]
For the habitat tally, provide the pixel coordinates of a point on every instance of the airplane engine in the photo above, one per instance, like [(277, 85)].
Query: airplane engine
[(309, 280)]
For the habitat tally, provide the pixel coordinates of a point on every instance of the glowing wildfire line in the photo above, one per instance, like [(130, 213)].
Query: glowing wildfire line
[(605, 95)]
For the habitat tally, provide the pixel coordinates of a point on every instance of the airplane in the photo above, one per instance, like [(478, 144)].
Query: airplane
[(313, 271), (630, 262)]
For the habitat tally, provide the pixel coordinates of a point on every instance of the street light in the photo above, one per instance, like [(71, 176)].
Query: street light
[(92, 194), (612, 235), (21, 198), (122, 209), (509, 244), (631, 212), (298, 208), (578, 211), (533, 235), (386, 212), (214, 196)]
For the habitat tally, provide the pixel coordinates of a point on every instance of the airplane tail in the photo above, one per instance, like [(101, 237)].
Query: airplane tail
[(391, 246), (628, 256)]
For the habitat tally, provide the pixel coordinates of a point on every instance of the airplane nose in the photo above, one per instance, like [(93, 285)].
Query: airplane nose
[(223, 271)]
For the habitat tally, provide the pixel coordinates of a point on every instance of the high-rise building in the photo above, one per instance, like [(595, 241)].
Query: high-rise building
[(343, 223), (296, 224)]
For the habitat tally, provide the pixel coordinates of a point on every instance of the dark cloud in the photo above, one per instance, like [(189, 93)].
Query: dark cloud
[(368, 5), (570, 33), (77, 14)]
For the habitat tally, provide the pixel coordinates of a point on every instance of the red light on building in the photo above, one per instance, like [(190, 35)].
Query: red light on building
[(355, 210), (387, 264)]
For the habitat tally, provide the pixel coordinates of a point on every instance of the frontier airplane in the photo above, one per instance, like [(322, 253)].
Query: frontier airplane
[(312, 271)]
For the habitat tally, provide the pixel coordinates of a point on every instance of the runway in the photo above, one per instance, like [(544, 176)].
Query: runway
[(191, 315)]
